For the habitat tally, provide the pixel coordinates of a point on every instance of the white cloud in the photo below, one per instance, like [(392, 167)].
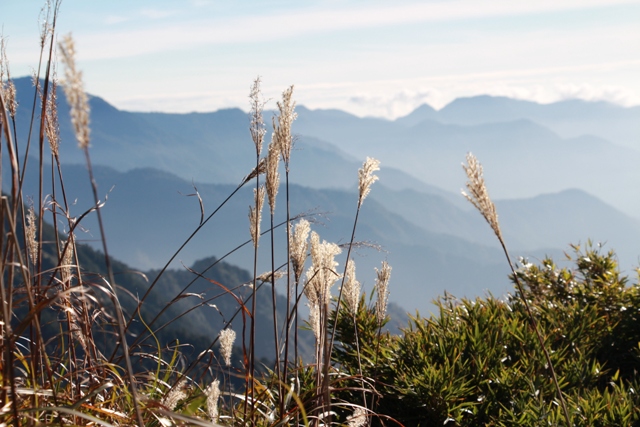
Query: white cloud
[(611, 93), (156, 13), (115, 19), (251, 28), (396, 105), (401, 103)]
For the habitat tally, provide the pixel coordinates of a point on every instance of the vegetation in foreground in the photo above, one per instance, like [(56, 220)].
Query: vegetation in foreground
[(79, 348), (478, 361)]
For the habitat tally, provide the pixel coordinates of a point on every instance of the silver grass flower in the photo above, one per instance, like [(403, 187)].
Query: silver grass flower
[(255, 214), (314, 317), (478, 194), (351, 288), (286, 116), (76, 96), (67, 260), (311, 287), (273, 177), (382, 291), (299, 245), (52, 128), (358, 418), (175, 395), (213, 395), (227, 338), (267, 275), (322, 273), (8, 89), (32, 243), (366, 176), (257, 127), (262, 168), (11, 99)]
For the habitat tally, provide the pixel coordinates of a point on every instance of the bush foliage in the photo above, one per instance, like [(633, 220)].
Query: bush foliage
[(477, 362)]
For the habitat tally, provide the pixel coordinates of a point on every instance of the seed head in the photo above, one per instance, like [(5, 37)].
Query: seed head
[(358, 418), (255, 214), (67, 260), (32, 243), (314, 317), (262, 168), (227, 338), (213, 394), (257, 128), (366, 176), (299, 244), (175, 395), (382, 291), (6, 84), (273, 177), (286, 116), (322, 274), (351, 288), (76, 96), (478, 194), (267, 276), (52, 128)]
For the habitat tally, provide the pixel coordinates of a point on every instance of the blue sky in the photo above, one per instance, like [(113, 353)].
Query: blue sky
[(371, 57)]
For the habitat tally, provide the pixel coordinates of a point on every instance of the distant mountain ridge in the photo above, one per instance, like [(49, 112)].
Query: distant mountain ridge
[(568, 118), (427, 229)]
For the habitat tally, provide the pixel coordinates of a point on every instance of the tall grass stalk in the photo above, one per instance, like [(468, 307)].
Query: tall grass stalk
[(80, 118), (258, 131), (70, 376), (286, 117), (479, 197)]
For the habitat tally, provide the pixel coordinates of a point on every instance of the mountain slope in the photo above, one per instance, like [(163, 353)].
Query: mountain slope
[(148, 215)]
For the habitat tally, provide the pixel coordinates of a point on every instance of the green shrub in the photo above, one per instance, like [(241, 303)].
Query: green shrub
[(479, 363)]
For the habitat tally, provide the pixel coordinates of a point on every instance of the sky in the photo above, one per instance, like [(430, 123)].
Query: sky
[(370, 58)]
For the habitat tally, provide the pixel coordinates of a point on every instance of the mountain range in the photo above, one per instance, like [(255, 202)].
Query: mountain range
[(555, 186)]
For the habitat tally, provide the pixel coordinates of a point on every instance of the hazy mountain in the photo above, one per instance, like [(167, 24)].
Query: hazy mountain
[(204, 147), (568, 118), (428, 233), (148, 215), (541, 223), (521, 158)]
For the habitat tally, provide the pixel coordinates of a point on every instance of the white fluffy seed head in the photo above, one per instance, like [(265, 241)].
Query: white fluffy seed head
[(314, 318), (358, 418), (322, 273), (366, 176), (255, 215), (175, 395), (227, 338), (382, 291), (67, 260), (74, 90), (52, 128), (286, 116), (32, 243), (299, 245), (478, 194), (257, 127), (351, 289), (273, 176), (213, 395), (6, 84)]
